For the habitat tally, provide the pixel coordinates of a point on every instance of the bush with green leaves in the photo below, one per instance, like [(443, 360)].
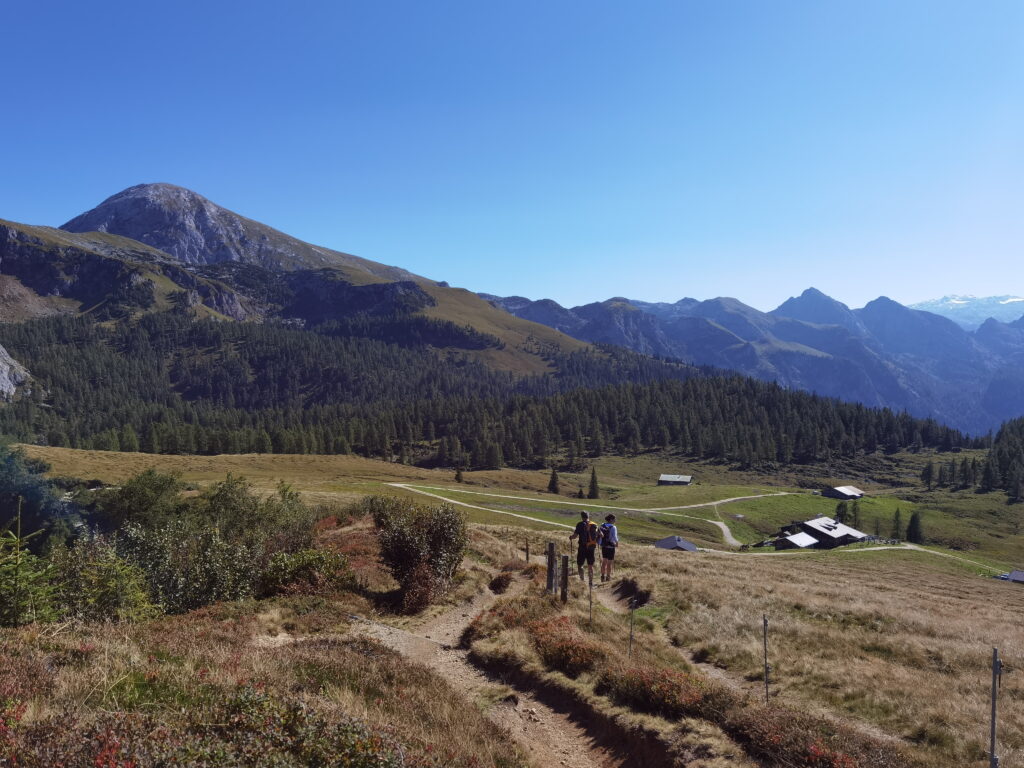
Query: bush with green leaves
[(94, 583), (150, 498), (278, 523), (308, 570), (189, 566), (421, 545)]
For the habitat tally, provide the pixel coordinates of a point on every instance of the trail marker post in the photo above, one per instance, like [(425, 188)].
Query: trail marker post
[(767, 668), (997, 677), (632, 610), (565, 578), (551, 567)]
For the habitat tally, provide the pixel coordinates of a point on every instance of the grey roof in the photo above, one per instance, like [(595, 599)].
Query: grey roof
[(849, 490), (1017, 576), (829, 527), (676, 542), (677, 478), (802, 540)]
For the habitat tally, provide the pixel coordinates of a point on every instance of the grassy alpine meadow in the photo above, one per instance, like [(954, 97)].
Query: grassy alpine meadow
[(897, 642), (873, 652), (279, 681)]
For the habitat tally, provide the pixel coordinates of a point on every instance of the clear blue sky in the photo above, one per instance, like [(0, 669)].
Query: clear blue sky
[(571, 150)]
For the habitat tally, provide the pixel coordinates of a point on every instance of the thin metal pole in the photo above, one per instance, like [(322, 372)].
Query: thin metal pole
[(527, 550), (997, 671), (591, 593), (766, 667), (632, 610)]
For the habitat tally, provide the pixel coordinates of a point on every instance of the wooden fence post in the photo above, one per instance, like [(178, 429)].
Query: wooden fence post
[(551, 567), (565, 578)]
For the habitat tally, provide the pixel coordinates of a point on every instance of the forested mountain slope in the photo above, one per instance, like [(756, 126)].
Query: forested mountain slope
[(169, 382), (155, 247)]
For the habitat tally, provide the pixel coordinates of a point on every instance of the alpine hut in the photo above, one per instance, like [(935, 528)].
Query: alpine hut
[(676, 542), (843, 492), (675, 479)]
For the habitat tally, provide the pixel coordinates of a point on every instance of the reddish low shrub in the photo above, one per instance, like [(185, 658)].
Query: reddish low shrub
[(563, 647), (500, 583), (800, 739), (665, 692), (507, 613)]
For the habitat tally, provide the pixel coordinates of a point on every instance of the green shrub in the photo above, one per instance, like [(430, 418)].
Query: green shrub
[(187, 567), (149, 499), (308, 570), (422, 546), (94, 583), (279, 523)]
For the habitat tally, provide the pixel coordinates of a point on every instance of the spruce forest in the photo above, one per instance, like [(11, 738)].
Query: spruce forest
[(170, 383)]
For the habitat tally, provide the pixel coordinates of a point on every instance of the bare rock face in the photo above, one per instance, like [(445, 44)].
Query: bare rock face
[(197, 231), (12, 375)]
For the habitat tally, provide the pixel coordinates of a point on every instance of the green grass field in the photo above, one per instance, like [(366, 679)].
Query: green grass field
[(981, 527)]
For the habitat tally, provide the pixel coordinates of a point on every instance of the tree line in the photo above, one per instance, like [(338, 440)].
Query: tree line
[(169, 383)]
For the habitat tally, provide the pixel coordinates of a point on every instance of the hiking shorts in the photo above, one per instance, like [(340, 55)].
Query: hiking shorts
[(608, 553), (585, 556)]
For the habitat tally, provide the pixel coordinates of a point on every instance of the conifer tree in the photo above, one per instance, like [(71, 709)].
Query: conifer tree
[(553, 481), (914, 534), (595, 490), (928, 475), (129, 440), (897, 525), (841, 512), (458, 475)]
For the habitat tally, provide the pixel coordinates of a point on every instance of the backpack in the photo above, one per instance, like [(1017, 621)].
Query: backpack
[(589, 539), (606, 534)]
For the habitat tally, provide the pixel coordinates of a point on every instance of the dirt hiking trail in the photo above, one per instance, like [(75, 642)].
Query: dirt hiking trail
[(552, 736)]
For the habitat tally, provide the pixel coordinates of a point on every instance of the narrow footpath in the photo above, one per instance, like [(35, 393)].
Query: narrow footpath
[(553, 738)]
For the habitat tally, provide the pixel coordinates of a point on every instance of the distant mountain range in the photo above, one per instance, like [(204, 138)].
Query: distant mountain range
[(884, 354), (157, 248), (971, 312)]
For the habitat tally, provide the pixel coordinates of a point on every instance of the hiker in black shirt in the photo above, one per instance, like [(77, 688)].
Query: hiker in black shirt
[(586, 531)]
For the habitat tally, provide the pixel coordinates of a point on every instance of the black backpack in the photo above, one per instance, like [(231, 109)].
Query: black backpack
[(606, 532)]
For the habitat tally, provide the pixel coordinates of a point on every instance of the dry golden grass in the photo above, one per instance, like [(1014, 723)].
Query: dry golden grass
[(295, 650), (898, 643)]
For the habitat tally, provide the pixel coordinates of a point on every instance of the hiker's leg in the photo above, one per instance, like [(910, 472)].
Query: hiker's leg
[(580, 557)]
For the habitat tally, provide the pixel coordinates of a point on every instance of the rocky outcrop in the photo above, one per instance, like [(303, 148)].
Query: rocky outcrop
[(197, 231), (12, 375)]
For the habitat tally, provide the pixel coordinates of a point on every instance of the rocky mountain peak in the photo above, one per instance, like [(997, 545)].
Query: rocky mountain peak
[(813, 306), (195, 230)]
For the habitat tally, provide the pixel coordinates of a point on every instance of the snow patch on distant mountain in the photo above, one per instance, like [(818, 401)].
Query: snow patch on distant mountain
[(971, 311)]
